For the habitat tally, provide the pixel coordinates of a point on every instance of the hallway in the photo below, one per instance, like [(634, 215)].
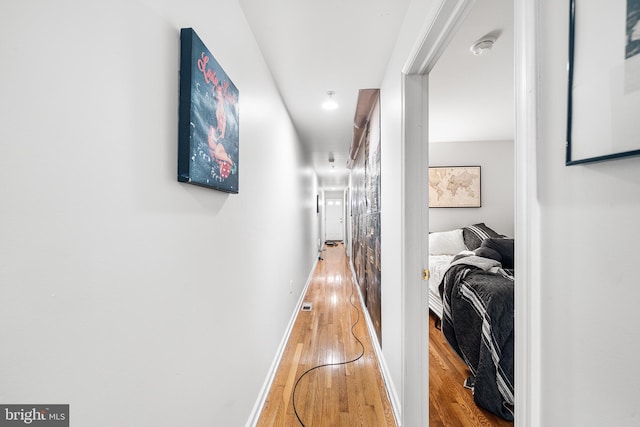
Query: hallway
[(331, 333)]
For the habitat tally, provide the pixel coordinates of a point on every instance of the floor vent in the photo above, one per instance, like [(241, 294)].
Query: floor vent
[(306, 306)]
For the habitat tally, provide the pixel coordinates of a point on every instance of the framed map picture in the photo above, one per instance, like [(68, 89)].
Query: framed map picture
[(454, 187)]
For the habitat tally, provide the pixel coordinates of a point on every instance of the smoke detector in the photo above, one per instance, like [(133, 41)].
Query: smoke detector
[(483, 45)]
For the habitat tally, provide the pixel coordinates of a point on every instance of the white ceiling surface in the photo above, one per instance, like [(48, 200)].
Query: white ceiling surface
[(313, 46), (471, 98)]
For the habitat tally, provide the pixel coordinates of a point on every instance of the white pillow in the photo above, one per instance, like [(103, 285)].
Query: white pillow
[(446, 242)]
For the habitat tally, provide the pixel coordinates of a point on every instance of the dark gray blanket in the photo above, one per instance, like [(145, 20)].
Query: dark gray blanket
[(478, 322)]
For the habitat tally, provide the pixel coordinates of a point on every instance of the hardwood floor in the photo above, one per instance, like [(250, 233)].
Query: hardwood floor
[(450, 404), (351, 394)]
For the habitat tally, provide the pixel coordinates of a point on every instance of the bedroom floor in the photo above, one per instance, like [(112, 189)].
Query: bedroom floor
[(450, 404)]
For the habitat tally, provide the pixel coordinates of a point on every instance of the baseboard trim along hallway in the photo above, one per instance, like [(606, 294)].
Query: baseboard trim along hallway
[(264, 391), (384, 370), (329, 362)]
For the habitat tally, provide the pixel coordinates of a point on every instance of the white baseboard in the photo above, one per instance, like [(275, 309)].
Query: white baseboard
[(264, 391), (384, 369)]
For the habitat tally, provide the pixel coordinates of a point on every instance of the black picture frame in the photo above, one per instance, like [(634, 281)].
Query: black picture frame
[(208, 123), (609, 138)]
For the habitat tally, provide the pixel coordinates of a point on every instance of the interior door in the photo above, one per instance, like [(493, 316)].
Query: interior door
[(333, 220)]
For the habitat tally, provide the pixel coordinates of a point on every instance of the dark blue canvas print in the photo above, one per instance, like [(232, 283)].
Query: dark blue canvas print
[(208, 141), (633, 28)]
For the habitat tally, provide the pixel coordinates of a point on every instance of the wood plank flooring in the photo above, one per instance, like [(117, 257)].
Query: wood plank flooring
[(450, 404), (351, 394)]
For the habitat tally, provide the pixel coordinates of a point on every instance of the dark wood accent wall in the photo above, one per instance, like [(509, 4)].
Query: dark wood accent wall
[(365, 217)]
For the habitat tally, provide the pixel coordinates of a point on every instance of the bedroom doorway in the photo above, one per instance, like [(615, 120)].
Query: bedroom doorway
[(429, 47), (471, 155)]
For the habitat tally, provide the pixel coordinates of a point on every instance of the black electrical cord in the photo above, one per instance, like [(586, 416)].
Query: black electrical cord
[(332, 364)]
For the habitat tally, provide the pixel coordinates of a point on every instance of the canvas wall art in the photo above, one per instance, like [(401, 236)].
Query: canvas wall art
[(209, 129)]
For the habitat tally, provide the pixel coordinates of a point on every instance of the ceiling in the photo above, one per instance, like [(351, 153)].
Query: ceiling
[(312, 47), (471, 98)]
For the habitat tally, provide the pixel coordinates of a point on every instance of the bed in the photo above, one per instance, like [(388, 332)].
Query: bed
[(476, 307), (438, 264), (443, 247)]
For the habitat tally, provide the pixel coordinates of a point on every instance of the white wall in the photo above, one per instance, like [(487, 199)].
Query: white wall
[(138, 300), (322, 215), (497, 184), (588, 239), (419, 13), (588, 280)]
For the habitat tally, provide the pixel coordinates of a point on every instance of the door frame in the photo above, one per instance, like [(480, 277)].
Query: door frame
[(432, 41)]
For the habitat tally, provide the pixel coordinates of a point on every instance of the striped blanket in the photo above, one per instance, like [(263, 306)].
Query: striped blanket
[(478, 322)]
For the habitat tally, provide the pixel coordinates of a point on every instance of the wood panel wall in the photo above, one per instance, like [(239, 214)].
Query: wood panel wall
[(365, 217)]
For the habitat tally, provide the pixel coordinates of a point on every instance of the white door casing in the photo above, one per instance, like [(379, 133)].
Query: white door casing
[(415, 353)]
